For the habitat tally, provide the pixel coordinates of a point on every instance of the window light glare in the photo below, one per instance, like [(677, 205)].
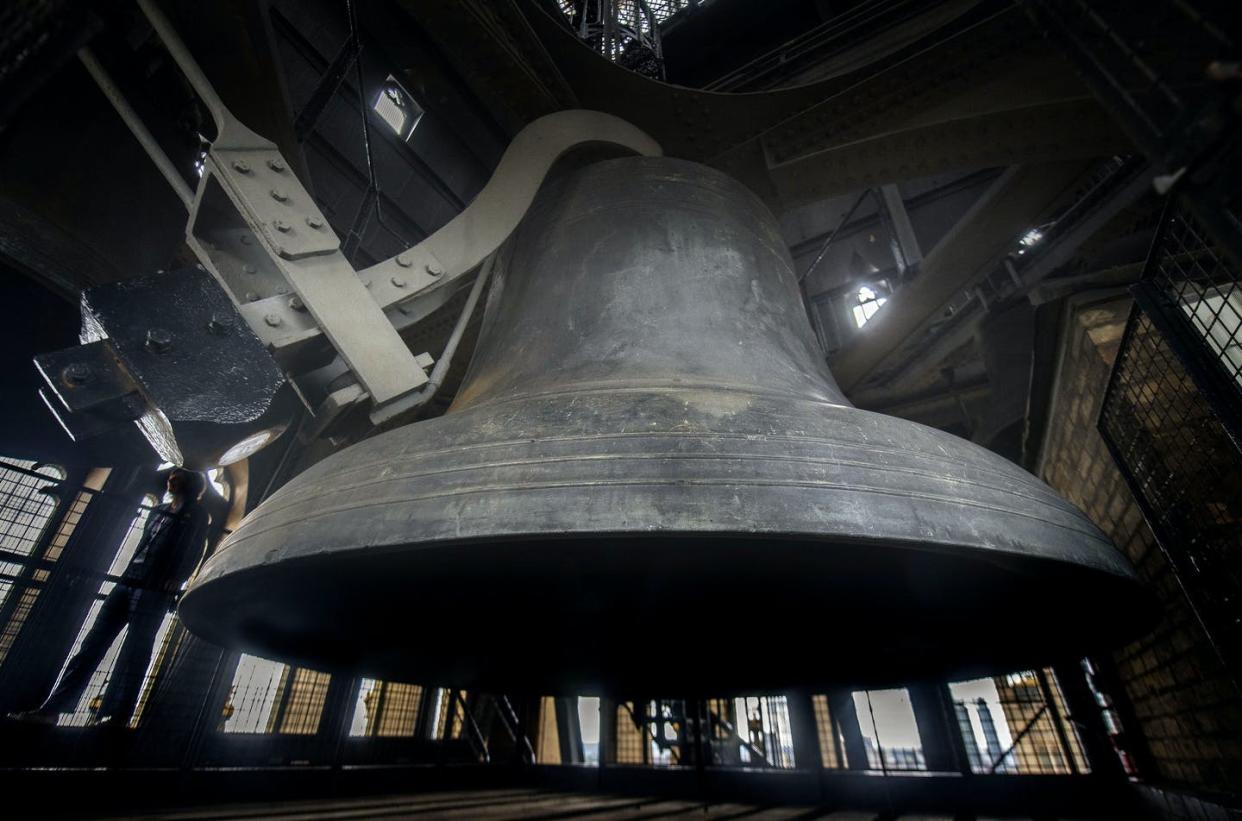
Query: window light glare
[(1031, 237), (391, 108), (869, 302)]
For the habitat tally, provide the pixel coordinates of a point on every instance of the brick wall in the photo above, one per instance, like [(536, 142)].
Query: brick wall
[(1188, 710)]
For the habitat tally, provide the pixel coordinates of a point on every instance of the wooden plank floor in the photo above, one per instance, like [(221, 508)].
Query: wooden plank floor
[(512, 805)]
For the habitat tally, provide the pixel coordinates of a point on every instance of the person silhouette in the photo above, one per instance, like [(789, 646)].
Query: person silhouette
[(170, 549)]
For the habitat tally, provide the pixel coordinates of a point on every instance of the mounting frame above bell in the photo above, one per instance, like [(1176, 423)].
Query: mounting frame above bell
[(648, 469)]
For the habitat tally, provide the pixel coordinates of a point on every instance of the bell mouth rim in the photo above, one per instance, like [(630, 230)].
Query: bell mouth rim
[(1100, 607)]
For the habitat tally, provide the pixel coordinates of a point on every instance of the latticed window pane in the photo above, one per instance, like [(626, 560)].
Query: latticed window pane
[(1012, 724), (386, 708), (270, 697), (28, 502), (830, 742), (548, 744)]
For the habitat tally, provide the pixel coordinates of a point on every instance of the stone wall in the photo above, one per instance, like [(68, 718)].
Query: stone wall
[(1186, 706)]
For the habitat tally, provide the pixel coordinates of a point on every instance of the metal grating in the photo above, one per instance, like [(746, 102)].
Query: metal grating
[(29, 494), (1190, 275), (1174, 447), (1172, 416)]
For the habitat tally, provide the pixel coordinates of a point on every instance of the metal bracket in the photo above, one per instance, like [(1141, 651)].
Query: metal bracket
[(415, 282), (257, 229)]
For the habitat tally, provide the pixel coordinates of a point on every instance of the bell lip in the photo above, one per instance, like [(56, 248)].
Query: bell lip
[(1121, 608)]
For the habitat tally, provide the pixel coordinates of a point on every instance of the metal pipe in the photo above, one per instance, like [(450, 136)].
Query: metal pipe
[(181, 55), (823, 249), (436, 377), (136, 127)]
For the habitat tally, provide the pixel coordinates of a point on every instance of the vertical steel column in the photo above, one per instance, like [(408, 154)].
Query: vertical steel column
[(1086, 714), (334, 720), (569, 729), (1055, 712), (607, 732), (841, 703), (911, 255), (805, 730), (943, 749)]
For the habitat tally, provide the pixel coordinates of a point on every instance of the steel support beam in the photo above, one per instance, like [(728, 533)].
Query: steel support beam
[(1010, 205), (1058, 251), (909, 253)]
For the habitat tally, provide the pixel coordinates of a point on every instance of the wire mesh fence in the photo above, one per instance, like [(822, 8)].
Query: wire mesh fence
[(1172, 418)]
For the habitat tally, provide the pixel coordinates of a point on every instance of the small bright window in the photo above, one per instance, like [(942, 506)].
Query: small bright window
[(398, 109), (868, 302)]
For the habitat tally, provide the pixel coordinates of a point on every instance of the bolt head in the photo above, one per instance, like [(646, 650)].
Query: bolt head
[(279, 194), (273, 320), (76, 374), (219, 324), (295, 303), (242, 166), (276, 164), (398, 281), (432, 271), (314, 222), (404, 260), (251, 296), (158, 340), (281, 226)]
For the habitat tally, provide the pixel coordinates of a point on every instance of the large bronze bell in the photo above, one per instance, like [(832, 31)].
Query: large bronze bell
[(649, 483)]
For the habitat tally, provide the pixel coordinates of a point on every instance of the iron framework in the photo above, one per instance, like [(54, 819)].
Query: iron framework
[(1172, 417)]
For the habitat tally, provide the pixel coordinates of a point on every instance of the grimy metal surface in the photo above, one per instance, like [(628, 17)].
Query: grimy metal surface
[(648, 467)]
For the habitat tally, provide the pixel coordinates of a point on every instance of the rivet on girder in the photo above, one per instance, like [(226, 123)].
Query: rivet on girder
[(314, 222), (281, 225), (404, 260), (276, 164), (279, 195), (398, 281), (242, 166), (273, 320)]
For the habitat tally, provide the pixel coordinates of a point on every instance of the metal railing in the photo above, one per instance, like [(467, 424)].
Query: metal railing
[(66, 546)]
